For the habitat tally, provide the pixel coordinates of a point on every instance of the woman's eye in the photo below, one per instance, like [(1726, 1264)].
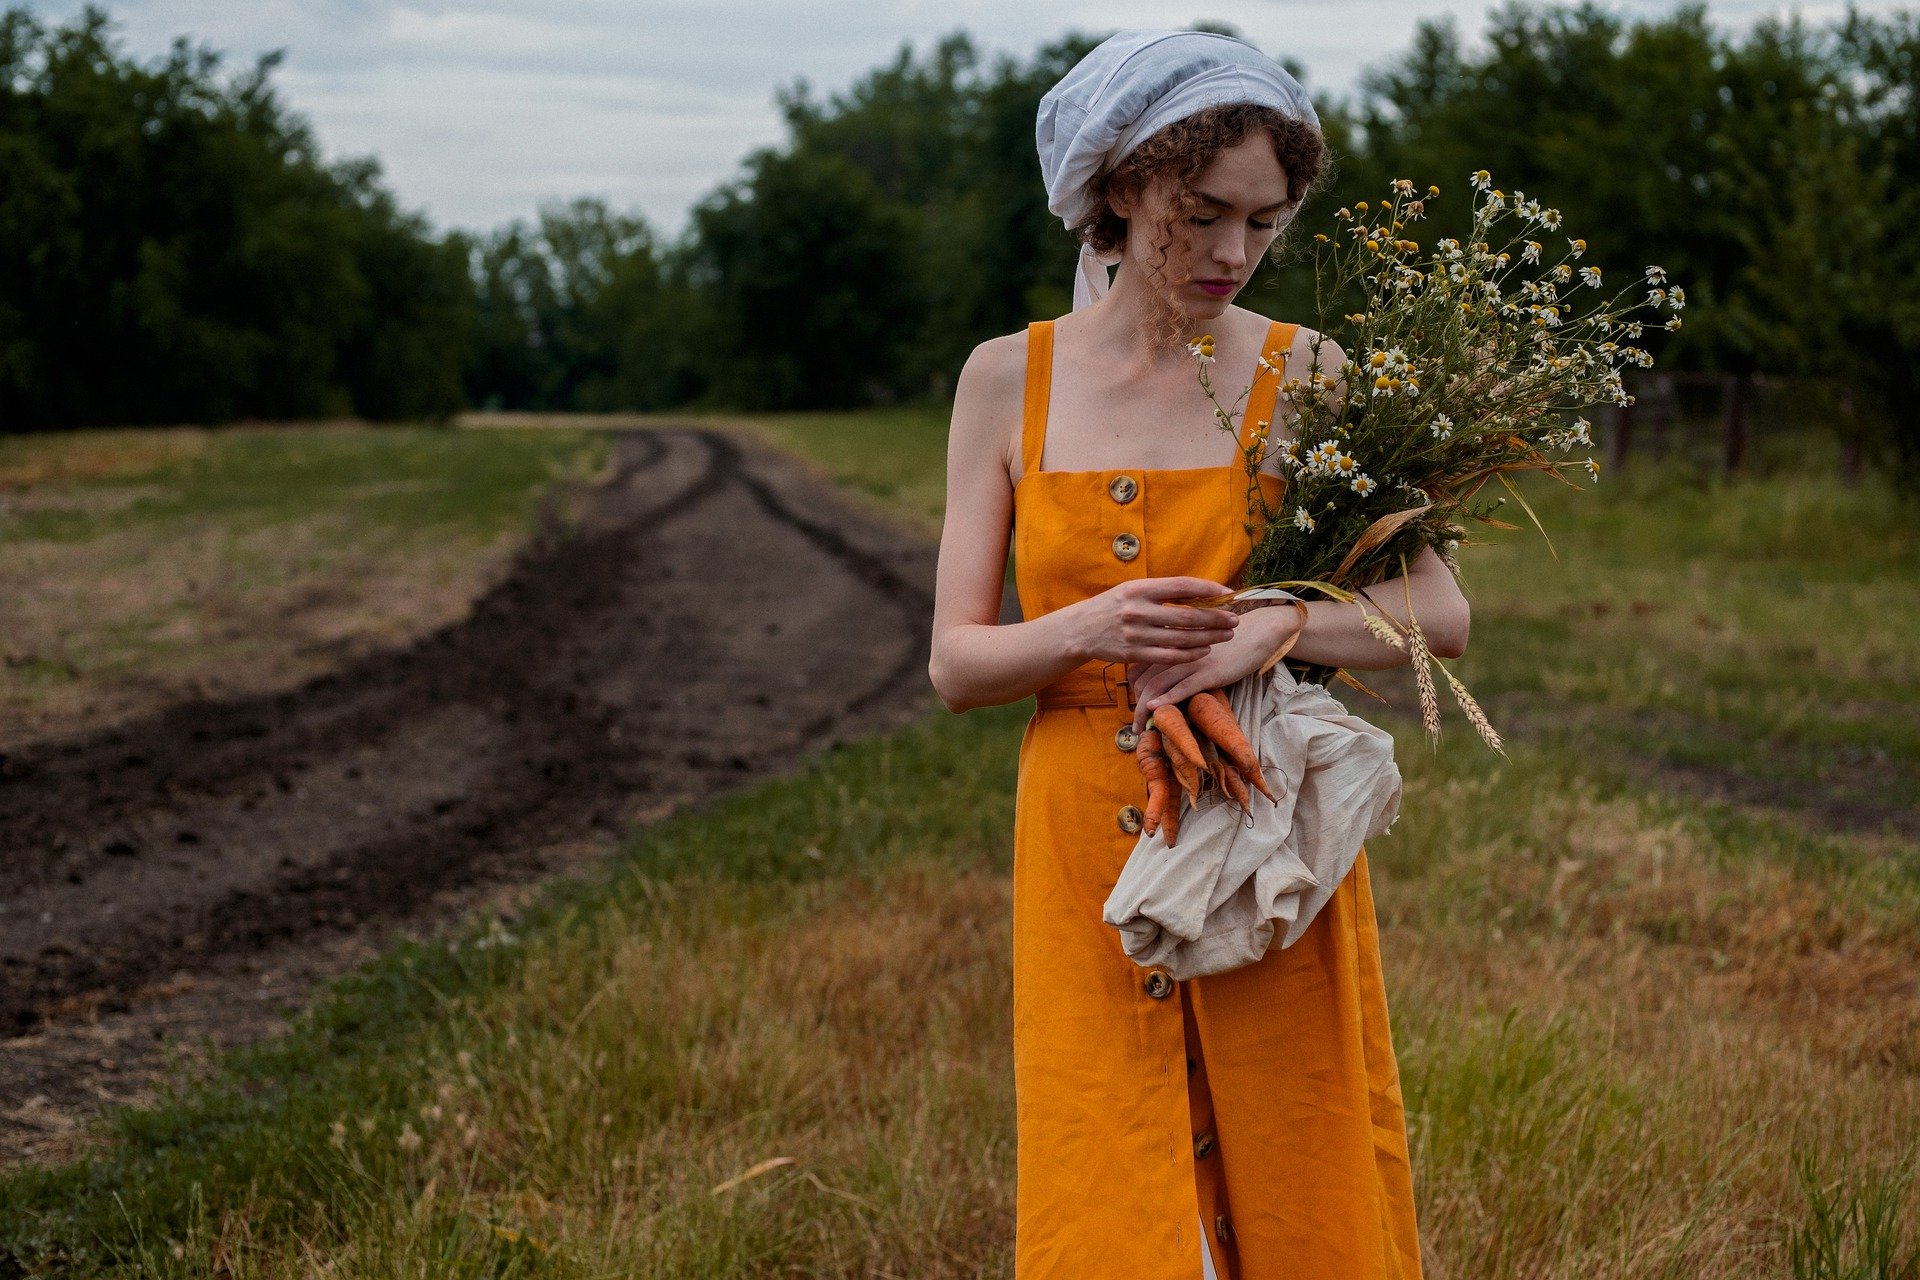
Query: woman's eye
[(1266, 226), (1203, 222)]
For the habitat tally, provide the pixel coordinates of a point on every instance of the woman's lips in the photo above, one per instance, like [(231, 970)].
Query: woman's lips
[(1218, 288)]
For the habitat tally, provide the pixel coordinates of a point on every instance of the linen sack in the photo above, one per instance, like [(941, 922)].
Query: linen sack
[(1213, 901)]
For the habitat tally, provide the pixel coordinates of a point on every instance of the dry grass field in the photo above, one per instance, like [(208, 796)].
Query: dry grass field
[(1655, 977), (141, 567)]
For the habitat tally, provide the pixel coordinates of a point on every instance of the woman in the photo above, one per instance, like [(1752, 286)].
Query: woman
[(1249, 1123)]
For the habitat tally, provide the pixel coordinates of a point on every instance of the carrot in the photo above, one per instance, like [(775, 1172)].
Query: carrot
[(1151, 756), (1150, 753), (1235, 784), (1214, 717), (1183, 751), (1210, 753), (1170, 817)]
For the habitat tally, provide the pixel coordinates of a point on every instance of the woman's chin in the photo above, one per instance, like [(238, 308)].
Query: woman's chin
[(1201, 305)]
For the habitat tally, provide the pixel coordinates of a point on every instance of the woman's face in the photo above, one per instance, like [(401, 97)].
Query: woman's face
[(1212, 255)]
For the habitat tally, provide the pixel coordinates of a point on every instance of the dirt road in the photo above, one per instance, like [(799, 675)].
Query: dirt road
[(710, 613)]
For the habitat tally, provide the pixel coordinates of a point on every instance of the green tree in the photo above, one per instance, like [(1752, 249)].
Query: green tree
[(173, 248), (805, 266)]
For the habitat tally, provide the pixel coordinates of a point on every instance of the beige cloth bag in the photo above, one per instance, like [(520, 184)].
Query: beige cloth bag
[(1213, 901)]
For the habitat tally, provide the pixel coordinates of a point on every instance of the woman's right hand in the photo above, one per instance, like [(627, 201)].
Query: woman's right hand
[(1132, 622)]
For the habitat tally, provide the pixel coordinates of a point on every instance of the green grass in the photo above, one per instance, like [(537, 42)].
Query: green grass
[(1641, 1032), (380, 482), (896, 456), (137, 562)]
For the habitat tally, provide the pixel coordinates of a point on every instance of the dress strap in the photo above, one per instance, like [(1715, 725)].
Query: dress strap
[(1033, 420), (1266, 386)]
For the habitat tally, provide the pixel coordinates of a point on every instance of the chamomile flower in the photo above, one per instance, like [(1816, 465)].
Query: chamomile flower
[(1579, 247), (1481, 180), (1201, 348), (1656, 275), (1550, 219), (1590, 276), (1344, 466), (1441, 426), (1363, 484), (1301, 520)]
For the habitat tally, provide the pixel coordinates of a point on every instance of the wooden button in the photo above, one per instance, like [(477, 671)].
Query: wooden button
[(1159, 984), (1123, 488), (1127, 739), (1222, 1229), (1130, 818), (1126, 546), (1203, 1146)]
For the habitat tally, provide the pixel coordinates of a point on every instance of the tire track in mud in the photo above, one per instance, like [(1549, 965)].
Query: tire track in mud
[(709, 614)]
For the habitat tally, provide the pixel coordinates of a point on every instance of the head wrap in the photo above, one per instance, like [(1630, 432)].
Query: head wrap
[(1124, 91)]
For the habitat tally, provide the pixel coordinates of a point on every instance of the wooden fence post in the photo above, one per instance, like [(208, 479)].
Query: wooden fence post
[(1736, 434), (1622, 441)]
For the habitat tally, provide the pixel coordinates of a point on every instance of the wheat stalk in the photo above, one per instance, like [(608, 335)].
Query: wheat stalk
[(1475, 715)]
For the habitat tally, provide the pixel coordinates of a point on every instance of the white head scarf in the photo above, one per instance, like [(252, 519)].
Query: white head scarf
[(1125, 90)]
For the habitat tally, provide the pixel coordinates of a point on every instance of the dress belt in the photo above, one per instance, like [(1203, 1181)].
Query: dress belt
[(1098, 684)]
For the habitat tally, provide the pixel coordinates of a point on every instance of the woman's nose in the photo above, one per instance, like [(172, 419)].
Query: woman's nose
[(1230, 253)]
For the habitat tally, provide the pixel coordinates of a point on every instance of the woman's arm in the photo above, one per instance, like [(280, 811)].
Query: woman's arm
[(1334, 636), (976, 662)]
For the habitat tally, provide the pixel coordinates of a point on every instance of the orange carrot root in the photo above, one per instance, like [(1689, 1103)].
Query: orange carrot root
[(1212, 715), (1235, 784), (1157, 795), (1183, 751), (1210, 753)]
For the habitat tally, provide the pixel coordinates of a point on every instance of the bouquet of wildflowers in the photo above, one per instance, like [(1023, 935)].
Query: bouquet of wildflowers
[(1465, 362)]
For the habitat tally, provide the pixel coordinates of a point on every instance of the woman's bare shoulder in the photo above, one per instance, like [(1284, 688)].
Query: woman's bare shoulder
[(987, 399), (997, 363)]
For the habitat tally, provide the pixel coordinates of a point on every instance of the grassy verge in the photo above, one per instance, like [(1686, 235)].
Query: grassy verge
[(1644, 1030), (139, 566)]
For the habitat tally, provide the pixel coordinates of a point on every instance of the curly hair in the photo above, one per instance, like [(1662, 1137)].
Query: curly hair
[(1178, 154)]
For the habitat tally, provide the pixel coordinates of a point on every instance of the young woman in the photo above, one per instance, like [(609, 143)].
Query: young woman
[(1249, 1123)]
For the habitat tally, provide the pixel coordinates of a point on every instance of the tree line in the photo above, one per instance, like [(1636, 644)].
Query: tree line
[(173, 246)]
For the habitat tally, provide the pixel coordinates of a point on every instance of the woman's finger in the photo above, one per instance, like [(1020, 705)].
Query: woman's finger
[(1186, 615)]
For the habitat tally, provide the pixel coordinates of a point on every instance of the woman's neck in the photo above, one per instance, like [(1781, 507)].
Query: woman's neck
[(1133, 323)]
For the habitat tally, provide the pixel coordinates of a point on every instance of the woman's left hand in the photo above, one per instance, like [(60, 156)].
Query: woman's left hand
[(1260, 632)]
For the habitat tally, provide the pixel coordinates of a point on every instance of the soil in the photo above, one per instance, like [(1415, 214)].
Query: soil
[(180, 882)]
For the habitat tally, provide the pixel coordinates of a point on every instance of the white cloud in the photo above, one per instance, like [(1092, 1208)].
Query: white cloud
[(480, 110)]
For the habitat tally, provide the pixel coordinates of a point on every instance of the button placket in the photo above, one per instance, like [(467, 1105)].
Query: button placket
[(1123, 489)]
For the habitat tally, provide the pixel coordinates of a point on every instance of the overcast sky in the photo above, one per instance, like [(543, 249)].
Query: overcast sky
[(481, 110)]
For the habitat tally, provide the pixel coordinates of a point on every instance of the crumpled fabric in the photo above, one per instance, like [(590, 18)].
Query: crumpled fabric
[(1127, 88), (1215, 900)]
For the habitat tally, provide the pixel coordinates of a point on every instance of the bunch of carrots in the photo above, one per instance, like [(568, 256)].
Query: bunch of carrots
[(1189, 751)]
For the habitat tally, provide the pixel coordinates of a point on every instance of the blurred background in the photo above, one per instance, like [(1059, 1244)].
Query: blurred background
[(393, 211)]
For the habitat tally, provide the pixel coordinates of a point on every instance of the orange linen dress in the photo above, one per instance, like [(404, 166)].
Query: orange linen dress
[(1263, 1103)]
